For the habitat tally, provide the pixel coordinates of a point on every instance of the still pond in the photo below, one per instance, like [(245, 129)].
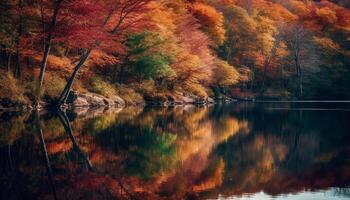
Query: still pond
[(235, 151)]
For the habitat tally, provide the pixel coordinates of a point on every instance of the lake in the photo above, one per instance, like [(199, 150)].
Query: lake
[(271, 150)]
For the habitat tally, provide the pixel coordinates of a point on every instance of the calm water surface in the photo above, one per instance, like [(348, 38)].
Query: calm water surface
[(237, 151)]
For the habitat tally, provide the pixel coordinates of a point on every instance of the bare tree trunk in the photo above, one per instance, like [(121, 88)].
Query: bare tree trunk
[(300, 83), (300, 78), (65, 93), (266, 65), (17, 72), (121, 74), (66, 52), (8, 65), (48, 43)]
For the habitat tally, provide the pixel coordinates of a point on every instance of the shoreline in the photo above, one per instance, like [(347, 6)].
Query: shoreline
[(87, 101)]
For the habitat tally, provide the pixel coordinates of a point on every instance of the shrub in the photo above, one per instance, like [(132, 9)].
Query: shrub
[(10, 88), (130, 96), (196, 89), (146, 87), (101, 87), (53, 87), (226, 74)]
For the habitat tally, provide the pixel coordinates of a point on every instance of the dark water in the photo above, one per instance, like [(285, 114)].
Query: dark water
[(236, 151)]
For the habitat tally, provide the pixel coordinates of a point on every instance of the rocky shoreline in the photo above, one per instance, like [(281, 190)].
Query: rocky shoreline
[(89, 100)]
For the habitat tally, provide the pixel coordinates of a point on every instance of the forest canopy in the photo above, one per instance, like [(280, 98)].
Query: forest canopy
[(242, 49)]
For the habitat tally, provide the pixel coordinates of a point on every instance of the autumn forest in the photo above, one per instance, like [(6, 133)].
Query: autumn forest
[(148, 50)]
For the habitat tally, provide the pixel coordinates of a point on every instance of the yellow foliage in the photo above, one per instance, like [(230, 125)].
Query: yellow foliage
[(129, 95), (226, 74), (195, 88), (10, 88), (101, 87), (53, 86)]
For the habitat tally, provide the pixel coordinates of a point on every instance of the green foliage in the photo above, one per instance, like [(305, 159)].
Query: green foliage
[(139, 43), (151, 153), (153, 66), (101, 87), (145, 59)]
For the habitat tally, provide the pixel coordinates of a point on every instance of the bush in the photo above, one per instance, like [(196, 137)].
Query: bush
[(130, 96), (146, 87), (196, 89), (10, 88), (53, 87), (101, 87)]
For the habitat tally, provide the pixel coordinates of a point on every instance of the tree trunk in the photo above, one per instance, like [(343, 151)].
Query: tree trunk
[(17, 72), (121, 74), (8, 65), (300, 83), (64, 95), (48, 44), (300, 78), (266, 65), (66, 52)]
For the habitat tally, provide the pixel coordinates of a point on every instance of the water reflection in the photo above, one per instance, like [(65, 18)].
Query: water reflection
[(264, 150)]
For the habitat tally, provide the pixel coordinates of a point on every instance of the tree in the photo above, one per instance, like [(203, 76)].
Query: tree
[(225, 74), (56, 8), (302, 52), (124, 16), (211, 20)]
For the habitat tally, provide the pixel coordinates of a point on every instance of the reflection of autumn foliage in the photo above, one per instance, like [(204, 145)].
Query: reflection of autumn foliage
[(177, 153)]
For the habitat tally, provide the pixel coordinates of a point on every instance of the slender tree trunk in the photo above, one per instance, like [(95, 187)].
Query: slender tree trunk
[(65, 93), (300, 78), (266, 65), (8, 65), (66, 52), (17, 71), (121, 74), (300, 83), (48, 44)]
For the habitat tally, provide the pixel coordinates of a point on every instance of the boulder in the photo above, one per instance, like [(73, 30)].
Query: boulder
[(210, 100), (94, 100)]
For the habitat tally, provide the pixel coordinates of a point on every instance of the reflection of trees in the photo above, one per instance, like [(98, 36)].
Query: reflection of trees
[(176, 152), (147, 152), (285, 151)]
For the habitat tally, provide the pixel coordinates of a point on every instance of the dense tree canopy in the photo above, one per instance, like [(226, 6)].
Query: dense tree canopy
[(271, 49)]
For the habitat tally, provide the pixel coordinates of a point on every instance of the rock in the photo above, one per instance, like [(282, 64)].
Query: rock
[(95, 100), (200, 101), (80, 102), (186, 99), (210, 100), (156, 100), (119, 101)]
